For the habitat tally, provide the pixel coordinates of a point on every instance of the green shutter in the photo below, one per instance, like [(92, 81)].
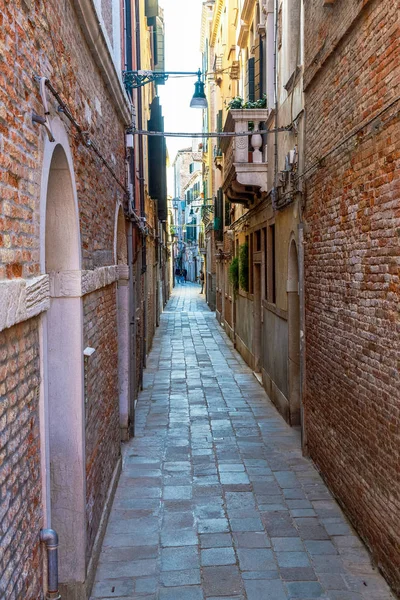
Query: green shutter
[(250, 80)]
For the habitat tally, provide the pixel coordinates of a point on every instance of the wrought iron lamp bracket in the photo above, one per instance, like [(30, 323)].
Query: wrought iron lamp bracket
[(137, 79)]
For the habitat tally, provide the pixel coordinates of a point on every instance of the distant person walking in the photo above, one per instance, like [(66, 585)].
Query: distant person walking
[(201, 277), (184, 273), (177, 275)]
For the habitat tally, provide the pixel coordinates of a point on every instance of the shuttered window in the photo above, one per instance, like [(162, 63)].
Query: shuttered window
[(218, 215), (250, 80), (258, 69)]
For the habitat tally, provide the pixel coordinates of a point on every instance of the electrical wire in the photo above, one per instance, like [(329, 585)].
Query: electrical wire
[(214, 134), (84, 136)]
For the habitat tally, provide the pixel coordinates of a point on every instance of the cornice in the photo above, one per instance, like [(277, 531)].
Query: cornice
[(247, 10), (245, 22), (99, 48), (219, 5)]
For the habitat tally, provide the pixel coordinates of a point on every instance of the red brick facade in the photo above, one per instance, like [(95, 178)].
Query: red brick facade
[(20, 478), (352, 256), (102, 415), (46, 39)]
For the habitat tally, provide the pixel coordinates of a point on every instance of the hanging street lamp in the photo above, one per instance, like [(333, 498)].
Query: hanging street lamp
[(137, 79)]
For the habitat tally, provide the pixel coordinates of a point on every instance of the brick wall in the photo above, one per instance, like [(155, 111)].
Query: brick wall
[(45, 38), (27, 47), (352, 257), (101, 402), (20, 484)]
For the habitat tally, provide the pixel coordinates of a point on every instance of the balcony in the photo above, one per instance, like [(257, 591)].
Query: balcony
[(245, 157)]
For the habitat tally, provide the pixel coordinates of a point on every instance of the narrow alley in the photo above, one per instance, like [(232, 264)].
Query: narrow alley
[(215, 499)]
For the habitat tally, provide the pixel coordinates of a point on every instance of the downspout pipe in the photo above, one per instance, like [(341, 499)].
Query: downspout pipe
[(139, 107), (50, 538), (132, 334), (275, 190), (141, 179)]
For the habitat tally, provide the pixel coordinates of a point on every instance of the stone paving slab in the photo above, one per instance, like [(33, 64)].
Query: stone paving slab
[(215, 499)]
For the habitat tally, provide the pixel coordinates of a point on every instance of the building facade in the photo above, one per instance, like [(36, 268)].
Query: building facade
[(188, 200), (69, 285), (255, 236), (307, 255), (351, 263)]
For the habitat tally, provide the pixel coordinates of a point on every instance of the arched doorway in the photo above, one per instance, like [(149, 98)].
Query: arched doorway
[(63, 367), (293, 335), (123, 325)]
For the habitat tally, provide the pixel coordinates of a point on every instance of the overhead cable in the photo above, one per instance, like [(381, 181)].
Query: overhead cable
[(214, 134), (88, 142)]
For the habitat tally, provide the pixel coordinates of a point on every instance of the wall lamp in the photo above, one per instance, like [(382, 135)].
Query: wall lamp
[(137, 79)]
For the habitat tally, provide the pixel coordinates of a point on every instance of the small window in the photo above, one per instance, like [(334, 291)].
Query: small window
[(191, 167), (258, 240)]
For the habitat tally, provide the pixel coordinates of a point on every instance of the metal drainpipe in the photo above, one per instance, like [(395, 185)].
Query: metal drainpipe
[(141, 182), (132, 333), (302, 339), (141, 178), (275, 190), (50, 538)]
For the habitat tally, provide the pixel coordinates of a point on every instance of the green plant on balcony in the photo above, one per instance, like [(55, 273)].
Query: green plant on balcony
[(238, 103), (233, 274), (244, 267)]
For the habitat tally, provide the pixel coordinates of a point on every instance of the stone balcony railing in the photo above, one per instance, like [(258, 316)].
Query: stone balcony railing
[(245, 157)]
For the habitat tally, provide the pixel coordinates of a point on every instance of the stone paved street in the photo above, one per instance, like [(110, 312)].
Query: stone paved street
[(215, 499)]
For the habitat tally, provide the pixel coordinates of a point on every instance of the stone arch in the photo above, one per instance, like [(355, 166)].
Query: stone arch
[(121, 259), (293, 333), (63, 414)]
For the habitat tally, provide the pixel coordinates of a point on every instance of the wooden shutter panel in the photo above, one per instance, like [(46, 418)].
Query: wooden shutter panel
[(258, 69), (250, 79)]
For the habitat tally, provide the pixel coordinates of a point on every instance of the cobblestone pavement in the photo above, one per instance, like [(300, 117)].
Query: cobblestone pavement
[(215, 499)]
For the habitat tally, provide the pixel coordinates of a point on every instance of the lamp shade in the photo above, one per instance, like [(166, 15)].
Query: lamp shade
[(199, 99)]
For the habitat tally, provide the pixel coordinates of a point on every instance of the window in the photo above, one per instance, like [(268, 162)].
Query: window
[(191, 167), (259, 68), (271, 255), (258, 240), (250, 80)]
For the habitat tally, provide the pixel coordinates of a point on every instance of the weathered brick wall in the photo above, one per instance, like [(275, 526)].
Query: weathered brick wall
[(101, 402), (352, 257), (26, 48), (20, 483), (45, 38)]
